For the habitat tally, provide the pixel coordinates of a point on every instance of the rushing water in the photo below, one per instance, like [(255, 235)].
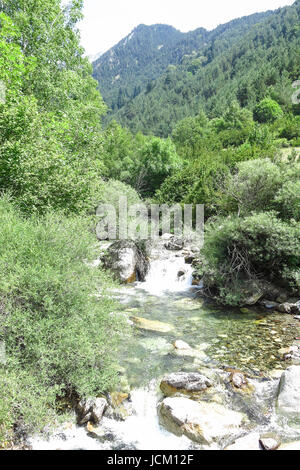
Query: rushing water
[(219, 338)]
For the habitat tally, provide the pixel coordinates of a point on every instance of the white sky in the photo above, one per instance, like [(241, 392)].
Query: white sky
[(108, 21)]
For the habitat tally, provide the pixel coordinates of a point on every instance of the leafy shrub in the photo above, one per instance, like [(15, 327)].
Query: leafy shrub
[(112, 190), (290, 127), (60, 337), (238, 251), (288, 200), (252, 187), (267, 110), (157, 160)]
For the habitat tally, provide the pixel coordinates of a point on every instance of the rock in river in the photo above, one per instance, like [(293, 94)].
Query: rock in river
[(126, 261), (152, 325), (200, 421), (288, 400), (184, 382), (181, 345), (91, 410)]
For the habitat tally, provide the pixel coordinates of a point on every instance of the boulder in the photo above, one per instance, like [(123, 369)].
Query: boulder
[(90, 410), (240, 383), (296, 307), (126, 261), (238, 380), (174, 244), (201, 422), (181, 273), (288, 402), (254, 298), (187, 383), (152, 325)]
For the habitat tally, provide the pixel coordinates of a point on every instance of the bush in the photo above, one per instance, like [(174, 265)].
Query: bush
[(157, 160), (238, 251), (252, 187), (38, 168), (267, 110), (112, 190), (60, 338), (288, 200)]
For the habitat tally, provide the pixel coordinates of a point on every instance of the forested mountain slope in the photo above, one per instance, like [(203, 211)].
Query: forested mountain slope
[(241, 61), (130, 67)]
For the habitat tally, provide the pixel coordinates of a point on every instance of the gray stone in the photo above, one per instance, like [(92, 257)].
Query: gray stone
[(200, 421), (269, 304), (189, 259), (126, 261), (91, 410), (179, 344), (253, 299), (288, 401), (184, 382), (238, 380), (181, 273), (174, 244)]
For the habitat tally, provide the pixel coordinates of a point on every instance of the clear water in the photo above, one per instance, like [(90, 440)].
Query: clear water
[(219, 338)]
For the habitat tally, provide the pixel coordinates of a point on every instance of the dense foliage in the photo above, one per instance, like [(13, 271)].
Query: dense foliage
[(258, 241), (59, 337), (50, 121)]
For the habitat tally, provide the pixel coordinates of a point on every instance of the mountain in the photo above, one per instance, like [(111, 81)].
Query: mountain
[(141, 57), (134, 63), (242, 60)]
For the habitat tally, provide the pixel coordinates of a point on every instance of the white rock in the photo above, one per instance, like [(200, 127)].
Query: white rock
[(181, 345), (288, 401), (199, 421)]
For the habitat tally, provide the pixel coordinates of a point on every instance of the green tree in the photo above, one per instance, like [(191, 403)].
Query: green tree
[(267, 110), (157, 160)]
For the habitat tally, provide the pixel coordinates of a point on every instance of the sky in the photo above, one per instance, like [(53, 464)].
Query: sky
[(106, 22)]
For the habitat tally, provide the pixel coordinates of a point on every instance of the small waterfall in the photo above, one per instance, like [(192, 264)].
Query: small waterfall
[(163, 276), (142, 431)]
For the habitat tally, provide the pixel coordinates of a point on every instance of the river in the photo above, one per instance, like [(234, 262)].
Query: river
[(219, 338)]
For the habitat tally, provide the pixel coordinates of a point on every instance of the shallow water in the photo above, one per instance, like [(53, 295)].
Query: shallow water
[(219, 338), (223, 337)]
